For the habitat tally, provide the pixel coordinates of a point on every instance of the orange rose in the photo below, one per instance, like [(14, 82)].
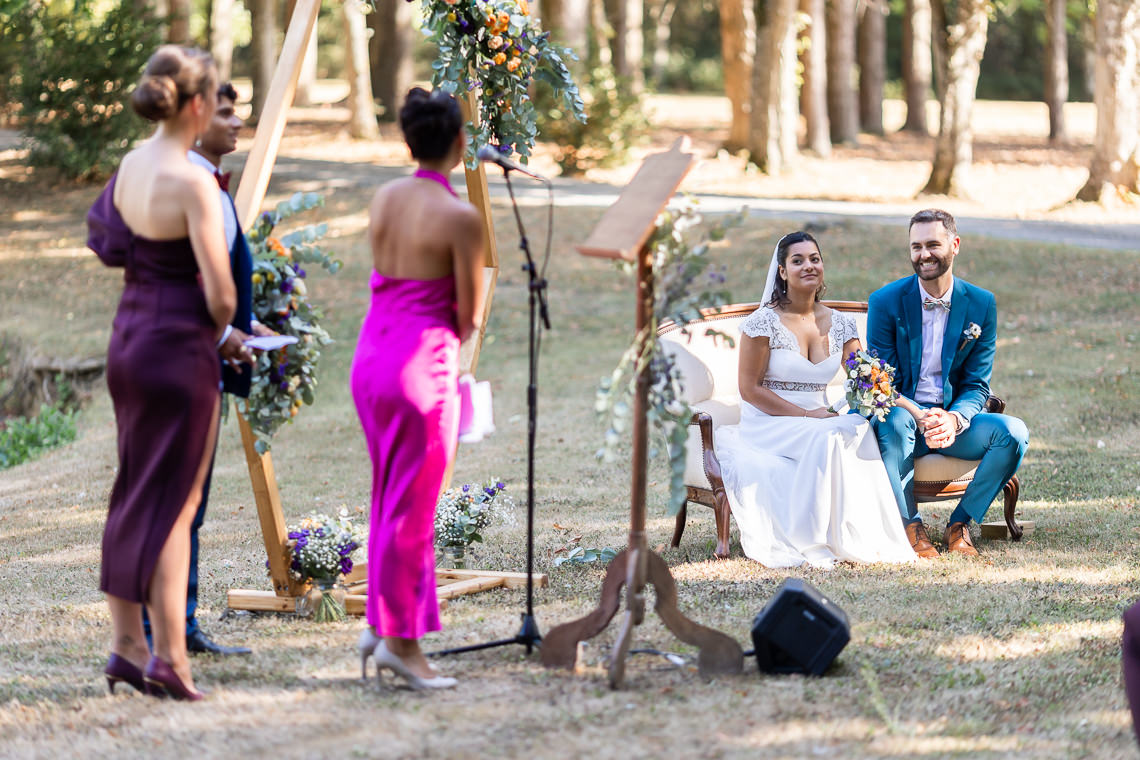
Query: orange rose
[(513, 64), (524, 8), (499, 58)]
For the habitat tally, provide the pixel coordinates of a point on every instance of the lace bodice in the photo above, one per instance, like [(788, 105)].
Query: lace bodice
[(765, 322)]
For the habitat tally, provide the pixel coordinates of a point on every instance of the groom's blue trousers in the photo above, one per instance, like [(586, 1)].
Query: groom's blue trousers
[(998, 440)]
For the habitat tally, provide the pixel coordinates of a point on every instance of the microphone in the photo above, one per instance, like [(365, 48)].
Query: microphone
[(491, 155)]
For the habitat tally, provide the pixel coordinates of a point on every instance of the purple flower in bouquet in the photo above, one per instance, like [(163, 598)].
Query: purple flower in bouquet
[(287, 286)]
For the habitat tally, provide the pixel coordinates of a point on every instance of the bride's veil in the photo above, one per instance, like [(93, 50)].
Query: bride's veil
[(773, 268)]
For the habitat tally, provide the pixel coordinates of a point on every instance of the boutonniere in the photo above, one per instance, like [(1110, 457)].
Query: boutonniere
[(973, 332)]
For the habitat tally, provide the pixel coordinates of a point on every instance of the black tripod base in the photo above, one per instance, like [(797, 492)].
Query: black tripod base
[(528, 636)]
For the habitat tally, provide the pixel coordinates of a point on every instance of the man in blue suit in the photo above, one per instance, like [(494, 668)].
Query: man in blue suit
[(940, 334), (219, 139)]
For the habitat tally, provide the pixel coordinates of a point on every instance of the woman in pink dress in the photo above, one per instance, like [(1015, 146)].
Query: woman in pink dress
[(427, 292)]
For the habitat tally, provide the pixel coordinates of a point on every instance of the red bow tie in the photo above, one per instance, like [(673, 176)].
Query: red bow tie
[(223, 180)]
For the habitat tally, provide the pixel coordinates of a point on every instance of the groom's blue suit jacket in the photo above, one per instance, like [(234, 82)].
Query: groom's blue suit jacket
[(894, 331)]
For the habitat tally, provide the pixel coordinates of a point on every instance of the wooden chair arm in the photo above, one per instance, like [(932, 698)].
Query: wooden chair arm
[(994, 405), (709, 461)]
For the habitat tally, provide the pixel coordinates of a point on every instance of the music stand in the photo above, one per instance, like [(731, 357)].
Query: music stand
[(528, 635), (624, 232)]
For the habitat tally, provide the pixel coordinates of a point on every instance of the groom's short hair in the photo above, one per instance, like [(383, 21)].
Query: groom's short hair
[(935, 215)]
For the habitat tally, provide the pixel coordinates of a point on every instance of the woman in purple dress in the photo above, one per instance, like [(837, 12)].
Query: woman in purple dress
[(427, 293), (160, 218)]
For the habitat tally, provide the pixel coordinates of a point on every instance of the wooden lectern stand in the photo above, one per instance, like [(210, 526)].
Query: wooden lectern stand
[(624, 233)]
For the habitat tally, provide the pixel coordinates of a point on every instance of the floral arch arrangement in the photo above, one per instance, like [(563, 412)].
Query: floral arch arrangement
[(497, 48)]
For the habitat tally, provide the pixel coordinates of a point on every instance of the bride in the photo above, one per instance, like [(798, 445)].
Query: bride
[(806, 485)]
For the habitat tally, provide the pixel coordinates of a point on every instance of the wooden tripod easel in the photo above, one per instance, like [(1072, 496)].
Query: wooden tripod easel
[(624, 232), (250, 193)]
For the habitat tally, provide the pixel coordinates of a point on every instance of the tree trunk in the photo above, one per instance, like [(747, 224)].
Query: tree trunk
[(569, 23), (307, 78), (916, 54), (178, 33), (872, 65), (661, 11), (737, 45), (1056, 68), (627, 43), (390, 51), (1115, 166), (222, 37), (813, 95), (264, 48), (775, 116), (954, 149), (362, 111), (842, 104), (939, 46)]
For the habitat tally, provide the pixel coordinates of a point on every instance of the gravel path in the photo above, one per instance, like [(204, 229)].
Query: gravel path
[(293, 173)]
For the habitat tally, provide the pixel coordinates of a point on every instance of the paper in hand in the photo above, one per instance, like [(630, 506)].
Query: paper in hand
[(270, 342), (476, 418)]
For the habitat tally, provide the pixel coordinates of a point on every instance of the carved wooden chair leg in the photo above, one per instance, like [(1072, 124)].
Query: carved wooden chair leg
[(723, 514), (1011, 491), (679, 527)]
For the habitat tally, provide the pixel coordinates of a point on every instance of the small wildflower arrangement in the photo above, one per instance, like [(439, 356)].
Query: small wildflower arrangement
[(869, 385), (687, 284), (463, 513), (499, 49), (321, 548), (972, 332), (286, 378)]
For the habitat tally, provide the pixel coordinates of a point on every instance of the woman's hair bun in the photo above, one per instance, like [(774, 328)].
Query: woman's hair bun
[(173, 75), (156, 98), (430, 122)]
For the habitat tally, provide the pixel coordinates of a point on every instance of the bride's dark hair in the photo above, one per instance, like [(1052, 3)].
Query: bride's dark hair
[(780, 291)]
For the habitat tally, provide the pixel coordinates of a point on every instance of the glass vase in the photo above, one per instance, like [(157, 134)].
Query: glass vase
[(324, 600), (456, 556)]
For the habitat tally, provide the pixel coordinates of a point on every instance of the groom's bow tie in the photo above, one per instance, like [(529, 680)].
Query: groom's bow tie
[(223, 180), (935, 303)]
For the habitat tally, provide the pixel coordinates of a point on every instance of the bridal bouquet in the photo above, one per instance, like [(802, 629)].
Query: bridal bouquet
[(870, 385), (321, 548)]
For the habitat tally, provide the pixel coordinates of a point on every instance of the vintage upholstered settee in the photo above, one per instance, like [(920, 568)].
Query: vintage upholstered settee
[(709, 368)]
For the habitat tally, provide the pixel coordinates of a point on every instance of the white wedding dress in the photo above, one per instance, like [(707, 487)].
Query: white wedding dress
[(805, 490)]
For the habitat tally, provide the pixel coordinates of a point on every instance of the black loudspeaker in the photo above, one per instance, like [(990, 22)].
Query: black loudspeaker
[(799, 630)]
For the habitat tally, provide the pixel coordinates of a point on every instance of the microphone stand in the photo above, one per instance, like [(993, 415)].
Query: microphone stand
[(528, 635)]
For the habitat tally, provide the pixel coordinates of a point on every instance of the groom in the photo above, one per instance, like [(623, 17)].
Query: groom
[(940, 333)]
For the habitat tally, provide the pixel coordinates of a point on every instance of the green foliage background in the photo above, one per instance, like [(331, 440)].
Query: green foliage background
[(72, 69)]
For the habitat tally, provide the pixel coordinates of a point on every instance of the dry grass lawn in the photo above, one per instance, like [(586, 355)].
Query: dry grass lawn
[(1014, 655)]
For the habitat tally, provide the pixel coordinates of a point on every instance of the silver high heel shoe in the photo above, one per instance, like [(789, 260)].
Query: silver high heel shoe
[(367, 645), (384, 658)]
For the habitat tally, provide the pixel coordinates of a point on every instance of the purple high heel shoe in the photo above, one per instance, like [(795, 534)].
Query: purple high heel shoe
[(164, 682), (120, 669)]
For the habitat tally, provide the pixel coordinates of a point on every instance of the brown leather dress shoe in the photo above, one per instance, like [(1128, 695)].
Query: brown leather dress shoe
[(919, 541), (957, 539)]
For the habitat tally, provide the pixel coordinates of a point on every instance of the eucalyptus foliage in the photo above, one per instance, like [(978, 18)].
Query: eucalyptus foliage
[(285, 379), (687, 286)]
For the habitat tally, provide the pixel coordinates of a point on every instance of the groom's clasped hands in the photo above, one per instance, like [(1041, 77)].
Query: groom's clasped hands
[(939, 427)]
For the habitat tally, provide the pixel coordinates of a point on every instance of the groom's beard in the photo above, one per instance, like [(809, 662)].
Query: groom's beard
[(942, 266)]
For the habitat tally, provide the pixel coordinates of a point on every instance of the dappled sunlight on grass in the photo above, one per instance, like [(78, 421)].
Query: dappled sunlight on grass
[(1055, 638)]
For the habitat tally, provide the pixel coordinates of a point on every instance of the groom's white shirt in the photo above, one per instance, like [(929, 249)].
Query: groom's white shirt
[(929, 389)]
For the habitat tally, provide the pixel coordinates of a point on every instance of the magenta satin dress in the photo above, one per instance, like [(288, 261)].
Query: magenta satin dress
[(404, 382)]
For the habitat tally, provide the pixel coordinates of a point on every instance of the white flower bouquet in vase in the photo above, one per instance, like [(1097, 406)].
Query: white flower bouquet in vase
[(463, 513)]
